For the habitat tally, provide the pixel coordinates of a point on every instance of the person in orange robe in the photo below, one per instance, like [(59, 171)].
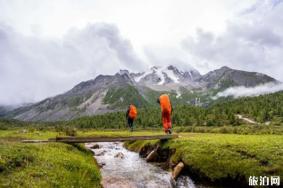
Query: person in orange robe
[(131, 115), (166, 111)]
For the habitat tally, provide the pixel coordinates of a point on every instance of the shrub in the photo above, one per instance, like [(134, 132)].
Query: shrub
[(70, 131)]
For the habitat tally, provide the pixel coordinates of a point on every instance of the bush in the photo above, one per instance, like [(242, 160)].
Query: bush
[(70, 131)]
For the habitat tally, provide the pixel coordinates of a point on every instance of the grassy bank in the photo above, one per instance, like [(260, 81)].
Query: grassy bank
[(47, 165), (211, 157), (242, 129), (222, 158)]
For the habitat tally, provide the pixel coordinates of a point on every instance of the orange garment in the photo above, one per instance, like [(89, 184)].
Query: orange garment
[(133, 112), (165, 103), (166, 120), (166, 109)]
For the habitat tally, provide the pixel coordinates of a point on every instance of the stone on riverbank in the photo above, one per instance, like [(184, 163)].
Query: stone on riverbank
[(95, 146)]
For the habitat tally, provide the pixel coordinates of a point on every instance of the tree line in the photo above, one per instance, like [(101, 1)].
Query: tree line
[(266, 108)]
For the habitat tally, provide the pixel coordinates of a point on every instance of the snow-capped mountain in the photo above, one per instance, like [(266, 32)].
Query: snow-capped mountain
[(164, 75), (108, 93)]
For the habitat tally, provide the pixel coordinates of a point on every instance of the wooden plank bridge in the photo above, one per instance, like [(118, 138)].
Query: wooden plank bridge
[(74, 139)]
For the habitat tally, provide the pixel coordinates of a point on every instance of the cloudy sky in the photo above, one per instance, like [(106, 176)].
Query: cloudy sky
[(48, 46)]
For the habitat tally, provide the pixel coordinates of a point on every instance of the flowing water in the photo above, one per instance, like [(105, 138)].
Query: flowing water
[(123, 168)]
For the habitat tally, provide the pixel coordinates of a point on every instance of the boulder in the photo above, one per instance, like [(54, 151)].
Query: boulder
[(95, 146), (101, 164), (120, 155)]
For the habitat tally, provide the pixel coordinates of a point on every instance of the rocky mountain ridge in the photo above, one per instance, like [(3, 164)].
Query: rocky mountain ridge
[(108, 93)]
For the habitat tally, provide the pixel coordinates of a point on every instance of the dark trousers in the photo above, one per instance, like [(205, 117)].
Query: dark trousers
[(130, 122)]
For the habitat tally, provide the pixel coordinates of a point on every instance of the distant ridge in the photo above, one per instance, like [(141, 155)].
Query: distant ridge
[(108, 93)]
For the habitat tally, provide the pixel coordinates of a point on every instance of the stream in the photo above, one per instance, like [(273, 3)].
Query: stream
[(123, 168)]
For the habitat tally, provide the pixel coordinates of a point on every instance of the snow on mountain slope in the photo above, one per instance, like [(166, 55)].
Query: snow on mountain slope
[(138, 78), (109, 93), (165, 75), (171, 75)]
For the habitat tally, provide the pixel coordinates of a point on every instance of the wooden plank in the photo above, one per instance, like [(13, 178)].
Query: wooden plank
[(110, 139), (35, 141), (101, 139)]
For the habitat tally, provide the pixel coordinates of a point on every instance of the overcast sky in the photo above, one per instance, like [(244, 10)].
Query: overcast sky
[(48, 46)]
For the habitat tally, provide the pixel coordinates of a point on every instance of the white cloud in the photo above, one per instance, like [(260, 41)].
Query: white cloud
[(144, 22), (241, 91), (253, 41), (33, 68), (38, 59)]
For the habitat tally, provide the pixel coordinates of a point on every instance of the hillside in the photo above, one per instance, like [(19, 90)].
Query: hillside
[(227, 77), (110, 93), (6, 109), (263, 109)]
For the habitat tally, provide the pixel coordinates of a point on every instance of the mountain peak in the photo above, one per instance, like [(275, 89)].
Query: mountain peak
[(158, 75), (171, 67), (155, 68), (225, 68), (124, 71), (107, 93), (226, 77)]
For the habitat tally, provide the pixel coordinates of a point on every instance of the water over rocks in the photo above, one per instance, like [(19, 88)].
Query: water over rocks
[(121, 168)]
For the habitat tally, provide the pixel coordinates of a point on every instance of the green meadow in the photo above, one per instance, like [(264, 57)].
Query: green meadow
[(47, 165), (224, 158), (209, 157)]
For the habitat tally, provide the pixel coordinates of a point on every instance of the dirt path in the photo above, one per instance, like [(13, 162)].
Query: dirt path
[(246, 119)]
